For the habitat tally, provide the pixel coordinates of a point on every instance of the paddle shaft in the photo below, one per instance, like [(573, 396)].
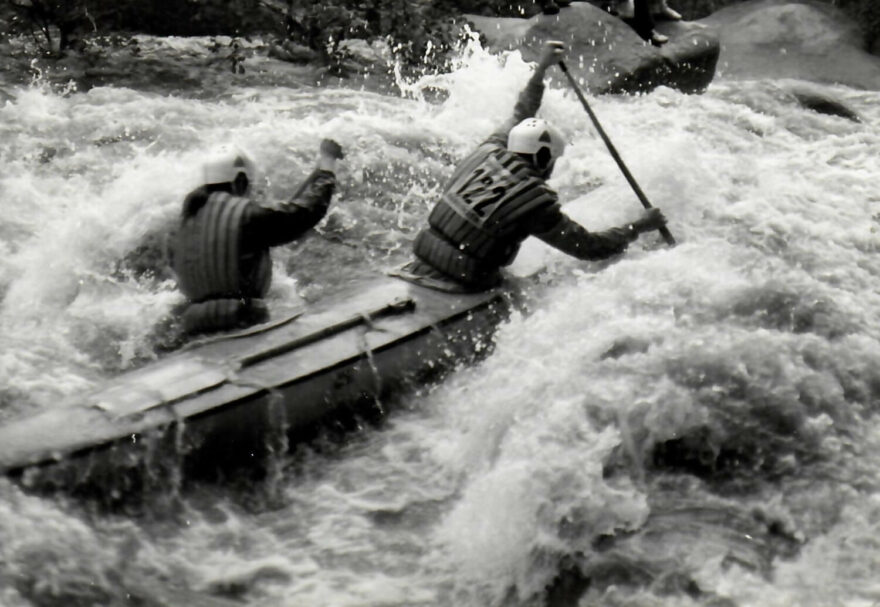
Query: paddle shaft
[(664, 231)]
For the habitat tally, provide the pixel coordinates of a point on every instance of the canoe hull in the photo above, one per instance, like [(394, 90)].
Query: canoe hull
[(239, 401)]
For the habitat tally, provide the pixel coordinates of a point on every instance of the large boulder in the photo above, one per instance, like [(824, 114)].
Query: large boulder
[(606, 55), (799, 39)]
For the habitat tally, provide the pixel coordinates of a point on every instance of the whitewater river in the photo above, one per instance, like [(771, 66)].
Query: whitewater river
[(693, 425)]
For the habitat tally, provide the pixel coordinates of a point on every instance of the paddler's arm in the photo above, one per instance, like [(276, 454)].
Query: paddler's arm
[(573, 239), (308, 205), (529, 101)]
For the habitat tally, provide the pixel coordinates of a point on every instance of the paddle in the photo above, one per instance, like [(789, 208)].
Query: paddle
[(664, 231)]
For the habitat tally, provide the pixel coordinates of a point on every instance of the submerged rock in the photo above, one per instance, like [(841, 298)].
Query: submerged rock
[(606, 55), (292, 52), (823, 104)]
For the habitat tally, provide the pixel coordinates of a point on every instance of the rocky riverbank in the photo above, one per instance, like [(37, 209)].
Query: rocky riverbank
[(780, 39), (189, 66)]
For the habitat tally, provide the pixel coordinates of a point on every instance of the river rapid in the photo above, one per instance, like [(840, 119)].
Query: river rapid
[(693, 425)]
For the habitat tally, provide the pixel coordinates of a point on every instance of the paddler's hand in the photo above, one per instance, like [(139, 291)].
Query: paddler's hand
[(329, 153), (651, 219), (553, 52)]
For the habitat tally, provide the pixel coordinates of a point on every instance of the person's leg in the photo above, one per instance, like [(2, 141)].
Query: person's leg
[(624, 9), (643, 23), (661, 10)]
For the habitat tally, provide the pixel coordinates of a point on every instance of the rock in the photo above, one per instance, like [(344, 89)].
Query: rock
[(803, 39), (375, 56), (822, 103), (606, 55), (292, 52)]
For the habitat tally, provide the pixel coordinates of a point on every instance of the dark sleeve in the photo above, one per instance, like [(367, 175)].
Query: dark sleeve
[(573, 239), (194, 201), (266, 227), (527, 105)]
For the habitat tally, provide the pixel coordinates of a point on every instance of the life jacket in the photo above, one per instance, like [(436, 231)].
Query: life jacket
[(483, 216), (209, 262)]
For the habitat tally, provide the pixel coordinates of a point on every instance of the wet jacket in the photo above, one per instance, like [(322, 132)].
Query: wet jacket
[(221, 257), (494, 200)]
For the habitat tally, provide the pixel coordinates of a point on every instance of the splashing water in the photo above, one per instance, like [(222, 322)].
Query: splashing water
[(694, 425)]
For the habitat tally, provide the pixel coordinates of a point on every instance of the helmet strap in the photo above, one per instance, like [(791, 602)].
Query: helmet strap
[(543, 158), (240, 184)]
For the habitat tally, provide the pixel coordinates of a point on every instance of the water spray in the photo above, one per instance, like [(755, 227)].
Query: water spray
[(664, 231)]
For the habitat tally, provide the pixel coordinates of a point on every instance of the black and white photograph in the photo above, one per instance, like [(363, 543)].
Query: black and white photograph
[(439, 303)]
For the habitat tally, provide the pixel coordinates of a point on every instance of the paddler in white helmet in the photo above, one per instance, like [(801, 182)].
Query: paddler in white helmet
[(498, 196), (221, 256)]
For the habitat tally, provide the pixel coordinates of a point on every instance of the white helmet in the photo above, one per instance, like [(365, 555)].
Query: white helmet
[(233, 165), (533, 135)]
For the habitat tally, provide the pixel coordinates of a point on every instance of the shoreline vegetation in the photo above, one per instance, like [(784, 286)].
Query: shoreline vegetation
[(378, 41)]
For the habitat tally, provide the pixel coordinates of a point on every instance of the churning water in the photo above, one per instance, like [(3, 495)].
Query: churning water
[(693, 425)]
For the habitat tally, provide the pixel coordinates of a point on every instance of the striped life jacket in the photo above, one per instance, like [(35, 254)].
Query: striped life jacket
[(485, 213), (208, 261)]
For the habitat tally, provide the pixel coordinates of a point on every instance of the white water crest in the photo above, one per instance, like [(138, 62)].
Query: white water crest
[(693, 425)]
